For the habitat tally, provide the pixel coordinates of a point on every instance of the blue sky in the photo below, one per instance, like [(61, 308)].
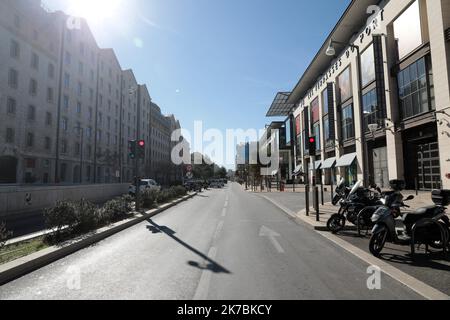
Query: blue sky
[(219, 61)]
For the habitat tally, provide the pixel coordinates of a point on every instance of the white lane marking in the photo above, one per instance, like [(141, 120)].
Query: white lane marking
[(227, 198), (268, 233), (218, 230), (224, 212), (203, 286), (414, 284), (226, 204)]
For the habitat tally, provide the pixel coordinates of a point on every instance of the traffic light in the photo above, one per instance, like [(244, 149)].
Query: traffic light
[(312, 145), (141, 149), (132, 149)]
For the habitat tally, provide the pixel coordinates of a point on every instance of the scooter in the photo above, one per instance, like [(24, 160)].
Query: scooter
[(429, 226), (357, 208)]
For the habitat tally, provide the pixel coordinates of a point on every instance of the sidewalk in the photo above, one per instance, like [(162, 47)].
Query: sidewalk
[(296, 204)]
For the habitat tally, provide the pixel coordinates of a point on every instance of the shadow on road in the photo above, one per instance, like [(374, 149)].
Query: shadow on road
[(422, 260), (212, 265)]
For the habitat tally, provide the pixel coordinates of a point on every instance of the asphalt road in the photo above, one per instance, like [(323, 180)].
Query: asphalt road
[(223, 244)]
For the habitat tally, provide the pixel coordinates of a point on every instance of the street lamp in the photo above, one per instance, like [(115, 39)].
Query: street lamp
[(331, 52)]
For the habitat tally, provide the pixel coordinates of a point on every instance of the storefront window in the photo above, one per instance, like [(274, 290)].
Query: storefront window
[(297, 125), (408, 30), (326, 130), (288, 132), (344, 85), (316, 129), (315, 110), (368, 66), (351, 174), (370, 104), (413, 89), (325, 101), (348, 129)]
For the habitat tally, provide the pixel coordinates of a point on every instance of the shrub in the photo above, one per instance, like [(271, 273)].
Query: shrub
[(180, 191), (163, 196), (148, 198), (61, 215), (114, 210), (4, 234), (87, 217)]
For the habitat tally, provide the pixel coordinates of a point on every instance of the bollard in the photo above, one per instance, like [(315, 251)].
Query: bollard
[(321, 194), (307, 199), (316, 193)]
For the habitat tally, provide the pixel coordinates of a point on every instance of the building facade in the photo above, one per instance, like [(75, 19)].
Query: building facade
[(376, 97), (68, 109)]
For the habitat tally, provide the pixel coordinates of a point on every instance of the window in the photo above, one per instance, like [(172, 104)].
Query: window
[(63, 173), (30, 140), (50, 95), (15, 49), (408, 30), (344, 85), (11, 106), (347, 127), (92, 75), (89, 132), (31, 115), (80, 68), (48, 118), (17, 21), (13, 78), (79, 89), (35, 35), (90, 113), (66, 102), (10, 135), (91, 94), (33, 87), (316, 131), (325, 102), (66, 80), (368, 66), (77, 148), (315, 111), (65, 124), (370, 105), (51, 71), (67, 58), (48, 143), (64, 146), (34, 61), (413, 89), (79, 107), (326, 131)]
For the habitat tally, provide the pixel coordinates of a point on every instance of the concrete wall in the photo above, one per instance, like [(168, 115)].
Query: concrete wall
[(13, 200)]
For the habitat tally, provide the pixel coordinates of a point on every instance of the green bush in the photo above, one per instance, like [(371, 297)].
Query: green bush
[(87, 216), (61, 215), (4, 234), (163, 196), (114, 210), (180, 191), (148, 198)]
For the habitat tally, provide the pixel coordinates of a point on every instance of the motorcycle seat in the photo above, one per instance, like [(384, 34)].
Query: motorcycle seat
[(423, 211)]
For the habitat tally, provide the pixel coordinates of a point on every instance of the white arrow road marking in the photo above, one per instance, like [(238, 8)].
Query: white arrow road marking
[(266, 232)]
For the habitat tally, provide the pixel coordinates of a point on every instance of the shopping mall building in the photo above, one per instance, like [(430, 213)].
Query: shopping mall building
[(376, 97)]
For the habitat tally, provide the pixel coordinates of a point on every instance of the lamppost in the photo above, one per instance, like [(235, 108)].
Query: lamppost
[(331, 52), (80, 132)]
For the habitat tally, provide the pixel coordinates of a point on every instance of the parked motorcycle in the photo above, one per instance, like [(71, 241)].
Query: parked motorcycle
[(429, 226), (357, 208)]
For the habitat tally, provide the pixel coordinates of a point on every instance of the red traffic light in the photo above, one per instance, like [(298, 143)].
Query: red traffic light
[(141, 143), (312, 140)]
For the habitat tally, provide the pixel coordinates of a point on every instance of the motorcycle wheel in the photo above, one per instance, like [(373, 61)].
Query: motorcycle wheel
[(377, 241), (336, 223)]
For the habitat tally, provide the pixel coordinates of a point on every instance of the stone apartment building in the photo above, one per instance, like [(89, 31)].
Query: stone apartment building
[(67, 108)]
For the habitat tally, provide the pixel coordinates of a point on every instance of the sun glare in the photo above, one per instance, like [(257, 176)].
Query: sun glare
[(95, 11)]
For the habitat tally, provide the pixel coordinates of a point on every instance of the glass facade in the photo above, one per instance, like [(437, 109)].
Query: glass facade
[(347, 123), (408, 30), (345, 85), (368, 66), (325, 101), (316, 130), (326, 131), (413, 89), (370, 105), (315, 111)]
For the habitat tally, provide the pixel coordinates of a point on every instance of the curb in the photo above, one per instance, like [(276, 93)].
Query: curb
[(412, 283), (22, 266)]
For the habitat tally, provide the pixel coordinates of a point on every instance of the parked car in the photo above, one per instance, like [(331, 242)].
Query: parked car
[(145, 184)]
